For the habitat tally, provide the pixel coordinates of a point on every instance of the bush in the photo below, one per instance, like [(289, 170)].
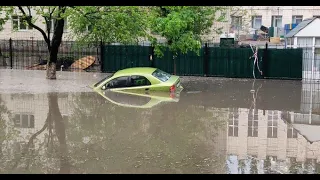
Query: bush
[(66, 61)]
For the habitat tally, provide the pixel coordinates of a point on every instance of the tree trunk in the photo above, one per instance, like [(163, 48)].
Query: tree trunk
[(55, 44), (51, 70), (60, 130)]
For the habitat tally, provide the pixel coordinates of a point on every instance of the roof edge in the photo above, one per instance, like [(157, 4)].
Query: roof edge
[(294, 33)]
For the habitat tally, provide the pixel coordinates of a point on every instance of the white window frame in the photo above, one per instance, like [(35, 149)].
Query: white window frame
[(297, 17), (234, 126), (290, 41), (29, 120), (236, 22), (65, 27), (87, 28), (253, 113), (253, 24), (274, 22), (19, 21), (293, 133), (273, 116)]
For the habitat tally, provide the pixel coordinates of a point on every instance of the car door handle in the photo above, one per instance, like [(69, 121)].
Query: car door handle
[(147, 89)]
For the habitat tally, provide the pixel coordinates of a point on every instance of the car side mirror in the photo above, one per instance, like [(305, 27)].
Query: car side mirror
[(104, 87)]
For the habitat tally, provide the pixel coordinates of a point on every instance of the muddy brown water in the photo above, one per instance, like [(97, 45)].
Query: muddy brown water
[(218, 126)]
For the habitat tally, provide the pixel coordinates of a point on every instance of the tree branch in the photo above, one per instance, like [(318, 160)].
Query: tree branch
[(48, 23), (29, 143), (29, 10), (28, 19)]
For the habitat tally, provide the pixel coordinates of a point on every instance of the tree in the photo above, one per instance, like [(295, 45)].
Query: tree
[(30, 15), (183, 26), (109, 24)]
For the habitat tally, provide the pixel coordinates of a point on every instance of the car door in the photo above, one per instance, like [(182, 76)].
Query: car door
[(138, 82), (118, 83)]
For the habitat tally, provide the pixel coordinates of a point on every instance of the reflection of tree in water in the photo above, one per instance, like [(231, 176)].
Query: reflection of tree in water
[(267, 165), (317, 168), (55, 116), (3, 111), (253, 165), (30, 159), (242, 166), (176, 140)]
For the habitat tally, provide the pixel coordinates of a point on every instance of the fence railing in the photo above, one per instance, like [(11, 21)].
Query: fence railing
[(212, 61), (276, 61), (33, 55)]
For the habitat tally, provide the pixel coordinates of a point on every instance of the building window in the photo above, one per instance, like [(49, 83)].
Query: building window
[(290, 41), (317, 62), (276, 21), (52, 23), (296, 19), (19, 24), (256, 22), (24, 120), (272, 124), (253, 123), (233, 122), (291, 133), (236, 22), (89, 28), (305, 42), (317, 43), (316, 16)]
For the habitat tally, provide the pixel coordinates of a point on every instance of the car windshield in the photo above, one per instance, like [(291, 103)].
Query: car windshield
[(109, 76), (161, 75)]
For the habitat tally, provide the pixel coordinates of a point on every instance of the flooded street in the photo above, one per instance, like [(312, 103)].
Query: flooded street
[(228, 126)]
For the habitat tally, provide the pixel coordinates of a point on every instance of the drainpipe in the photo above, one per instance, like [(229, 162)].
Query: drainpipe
[(313, 51)]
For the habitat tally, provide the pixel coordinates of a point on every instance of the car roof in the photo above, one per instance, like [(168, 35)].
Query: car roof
[(136, 71)]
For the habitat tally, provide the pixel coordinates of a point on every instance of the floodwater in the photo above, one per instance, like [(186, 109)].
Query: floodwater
[(225, 126)]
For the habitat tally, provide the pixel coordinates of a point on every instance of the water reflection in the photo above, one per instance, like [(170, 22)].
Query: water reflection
[(230, 127), (147, 99)]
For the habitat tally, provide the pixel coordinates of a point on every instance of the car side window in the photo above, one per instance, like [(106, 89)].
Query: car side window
[(139, 81), (119, 82)]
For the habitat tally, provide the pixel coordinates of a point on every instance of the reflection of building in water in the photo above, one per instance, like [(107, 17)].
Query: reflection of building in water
[(28, 113), (265, 137), (310, 98)]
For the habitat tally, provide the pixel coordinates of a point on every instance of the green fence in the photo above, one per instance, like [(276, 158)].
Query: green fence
[(164, 63), (212, 61), (284, 63), (120, 57)]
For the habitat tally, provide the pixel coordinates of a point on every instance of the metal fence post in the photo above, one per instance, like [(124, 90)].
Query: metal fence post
[(152, 56), (206, 60), (10, 51), (101, 56), (265, 62)]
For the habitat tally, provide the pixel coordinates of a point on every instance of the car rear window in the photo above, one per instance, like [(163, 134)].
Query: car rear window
[(161, 75)]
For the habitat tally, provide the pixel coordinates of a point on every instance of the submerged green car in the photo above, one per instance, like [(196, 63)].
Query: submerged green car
[(140, 79)]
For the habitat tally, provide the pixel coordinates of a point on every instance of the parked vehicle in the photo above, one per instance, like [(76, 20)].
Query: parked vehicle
[(140, 79)]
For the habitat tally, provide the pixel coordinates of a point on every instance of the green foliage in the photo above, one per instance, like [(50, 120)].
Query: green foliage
[(182, 26), (123, 24)]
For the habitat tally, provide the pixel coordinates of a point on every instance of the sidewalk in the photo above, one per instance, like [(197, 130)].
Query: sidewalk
[(28, 81)]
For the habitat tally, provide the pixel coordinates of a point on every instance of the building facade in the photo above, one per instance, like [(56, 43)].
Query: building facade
[(239, 21)]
